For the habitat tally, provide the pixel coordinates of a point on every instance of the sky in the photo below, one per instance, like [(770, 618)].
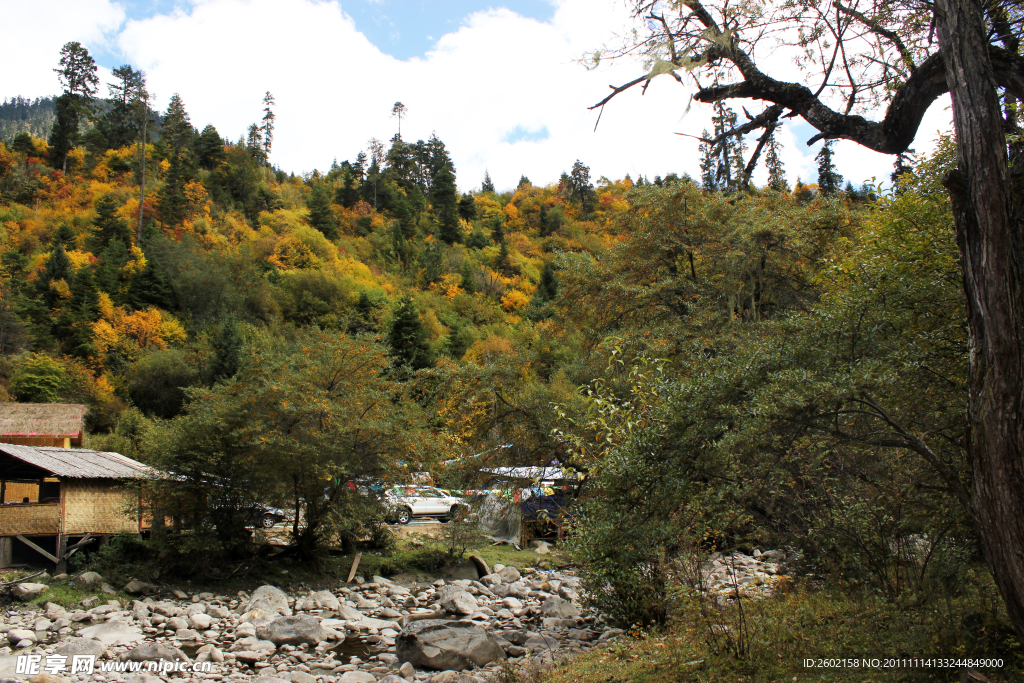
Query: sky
[(500, 83)]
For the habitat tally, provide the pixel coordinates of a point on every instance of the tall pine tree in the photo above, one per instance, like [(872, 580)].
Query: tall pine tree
[(408, 339), (829, 180)]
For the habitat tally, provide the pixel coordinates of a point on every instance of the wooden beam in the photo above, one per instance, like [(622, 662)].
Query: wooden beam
[(39, 550)]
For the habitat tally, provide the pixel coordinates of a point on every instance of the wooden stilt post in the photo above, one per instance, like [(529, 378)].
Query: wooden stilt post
[(6, 551), (62, 560)]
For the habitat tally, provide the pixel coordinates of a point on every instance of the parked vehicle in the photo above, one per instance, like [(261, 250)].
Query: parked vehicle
[(260, 515), (407, 502)]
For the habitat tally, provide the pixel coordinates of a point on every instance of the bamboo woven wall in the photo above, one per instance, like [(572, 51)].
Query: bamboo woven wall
[(97, 506), (29, 519), (15, 492)]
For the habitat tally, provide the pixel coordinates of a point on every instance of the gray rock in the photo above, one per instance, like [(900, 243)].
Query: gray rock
[(201, 621), (439, 645), (455, 600), (28, 591), (270, 599), (271, 679), (581, 634), (293, 630), (90, 601), (55, 611), (90, 578), (249, 656), (568, 593), (560, 608), (540, 642), (406, 670), (16, 635), (392, 678), (143, 677), (452, 677), (107, 588), (174, 623), (509, 574), (326, 600), (112, 633), (151, 652), (512, 603), (356, 677), (137, 587), (299, 677), (80, 646)]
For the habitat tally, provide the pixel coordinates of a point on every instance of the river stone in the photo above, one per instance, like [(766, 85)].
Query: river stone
[(299, 677), (455, 600), (452, 677), (557, 607), (509, 574), (269, 599), (294, 630), (151, 652), (90, 578), (349, 613), (326, 600), (80, 646), (137, 587), (16, 635), (55, 611), (440, 645), (356, 677), (28, 591), (201, 621), (112, 633)]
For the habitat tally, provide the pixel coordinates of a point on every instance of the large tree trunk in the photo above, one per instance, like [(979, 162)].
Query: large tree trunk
[(982, 205)]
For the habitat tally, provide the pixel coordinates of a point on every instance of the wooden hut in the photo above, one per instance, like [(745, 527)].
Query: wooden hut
[(76, 495)]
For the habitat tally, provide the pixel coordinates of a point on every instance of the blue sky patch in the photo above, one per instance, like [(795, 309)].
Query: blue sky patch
[(520, 134), (400, 28)]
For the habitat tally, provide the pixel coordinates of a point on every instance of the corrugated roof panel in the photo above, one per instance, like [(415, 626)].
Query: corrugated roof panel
[(78, 463)]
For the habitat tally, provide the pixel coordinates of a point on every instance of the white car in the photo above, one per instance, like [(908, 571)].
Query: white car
[(407, 502)]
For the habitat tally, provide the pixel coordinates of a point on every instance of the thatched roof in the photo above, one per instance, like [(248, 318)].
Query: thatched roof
[(41, 419), (75, 463)]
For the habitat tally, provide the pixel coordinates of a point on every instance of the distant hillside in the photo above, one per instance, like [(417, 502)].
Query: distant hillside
[(33, 116)]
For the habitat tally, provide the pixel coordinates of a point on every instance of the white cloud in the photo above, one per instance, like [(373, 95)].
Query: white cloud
[(334, 89), (36, 31)]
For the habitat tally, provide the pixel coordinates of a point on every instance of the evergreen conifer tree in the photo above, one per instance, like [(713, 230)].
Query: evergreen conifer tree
[(407, 338), (77, 74), (468, 283), (151, 288), (210, 148), (829, 179), (487, 185), (321, 216), (547, 288), (445, 199), (498, 229), (467, 207), (776, 172), (477, 239), (108, 225), (227, 352)]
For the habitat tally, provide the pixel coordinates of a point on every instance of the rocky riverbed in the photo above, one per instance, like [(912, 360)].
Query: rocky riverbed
[(386, 630)]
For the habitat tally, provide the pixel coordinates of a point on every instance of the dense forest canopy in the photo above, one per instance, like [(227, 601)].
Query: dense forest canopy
[(725, 364)]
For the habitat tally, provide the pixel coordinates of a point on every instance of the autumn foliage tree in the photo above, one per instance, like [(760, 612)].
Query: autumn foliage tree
[(917, 52)]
